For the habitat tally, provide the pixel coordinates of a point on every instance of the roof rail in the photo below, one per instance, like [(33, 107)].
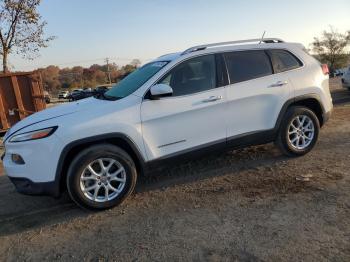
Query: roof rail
[(260, 40)]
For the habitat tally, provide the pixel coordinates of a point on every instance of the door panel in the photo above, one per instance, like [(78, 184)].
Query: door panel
[(175, 124), (193, 116), (255, 105), (255, 95)]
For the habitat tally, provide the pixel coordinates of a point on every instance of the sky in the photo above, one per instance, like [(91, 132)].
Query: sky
[(88, 31)]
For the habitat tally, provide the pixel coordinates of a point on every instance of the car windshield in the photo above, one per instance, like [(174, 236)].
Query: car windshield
[(135, 80)]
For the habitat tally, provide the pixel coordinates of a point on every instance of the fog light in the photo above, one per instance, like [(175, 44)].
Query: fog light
[(17, 159)]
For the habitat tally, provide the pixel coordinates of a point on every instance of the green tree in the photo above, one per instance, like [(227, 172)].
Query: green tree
[(331, 48), (50, 77), (21, 29), (135, 62), (55, 78)]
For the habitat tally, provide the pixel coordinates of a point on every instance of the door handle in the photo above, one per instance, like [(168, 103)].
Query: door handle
[(212, 99), (279, 83)]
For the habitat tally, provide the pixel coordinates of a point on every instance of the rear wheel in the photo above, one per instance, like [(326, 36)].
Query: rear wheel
[(101, 177), (299, 131)]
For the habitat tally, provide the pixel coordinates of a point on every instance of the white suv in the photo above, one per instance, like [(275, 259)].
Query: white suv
[(346, 79), (63, 94), (216, 96)]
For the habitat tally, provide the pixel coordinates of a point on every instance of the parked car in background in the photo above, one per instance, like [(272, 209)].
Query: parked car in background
[(63, 94), (79, 94), (102, 88), (210, 97), (87, 89), (76, 94), (336, 72), (346, 79), (47, 97), (343, 71)]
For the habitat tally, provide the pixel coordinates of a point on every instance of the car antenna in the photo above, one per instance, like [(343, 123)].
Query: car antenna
[(262, 38)]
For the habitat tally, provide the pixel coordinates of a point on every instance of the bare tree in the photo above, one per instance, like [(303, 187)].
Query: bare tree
[(21, 29), (331, 47)]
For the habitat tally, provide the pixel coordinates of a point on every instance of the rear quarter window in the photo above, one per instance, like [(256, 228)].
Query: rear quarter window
[(283, 60)]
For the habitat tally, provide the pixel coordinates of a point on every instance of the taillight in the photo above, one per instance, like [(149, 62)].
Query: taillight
[(325, 69)]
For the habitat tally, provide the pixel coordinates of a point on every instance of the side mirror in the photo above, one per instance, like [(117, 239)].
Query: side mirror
[(160, 90)]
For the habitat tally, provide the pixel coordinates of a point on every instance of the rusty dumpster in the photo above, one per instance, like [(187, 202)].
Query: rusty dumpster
[(21, 94)]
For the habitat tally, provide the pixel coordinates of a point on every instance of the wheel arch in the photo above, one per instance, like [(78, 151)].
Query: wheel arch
[(310, 101), (73, 148)]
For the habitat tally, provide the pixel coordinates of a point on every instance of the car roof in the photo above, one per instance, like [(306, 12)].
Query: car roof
[(270, 43)]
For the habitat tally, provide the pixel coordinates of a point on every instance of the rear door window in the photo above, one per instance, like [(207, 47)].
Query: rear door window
[(283, 60), (247, 65)]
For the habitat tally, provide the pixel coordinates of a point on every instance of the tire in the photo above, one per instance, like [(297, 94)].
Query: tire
[(300, 140), (80, 177)]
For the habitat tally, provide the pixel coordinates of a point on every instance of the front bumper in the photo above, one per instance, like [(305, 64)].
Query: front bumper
[(37, 176), (28, 187)]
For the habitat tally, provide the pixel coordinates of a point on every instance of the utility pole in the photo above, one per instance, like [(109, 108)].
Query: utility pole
[(108, 72), (81, 80)]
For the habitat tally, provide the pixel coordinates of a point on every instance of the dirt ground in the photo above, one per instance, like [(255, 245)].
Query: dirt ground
[(243, 205)]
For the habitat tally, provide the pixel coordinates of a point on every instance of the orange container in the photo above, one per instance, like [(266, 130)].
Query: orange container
[(21, 94)]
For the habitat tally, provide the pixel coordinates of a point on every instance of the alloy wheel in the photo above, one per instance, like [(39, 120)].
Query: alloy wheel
[(301, 132), (103, 180)]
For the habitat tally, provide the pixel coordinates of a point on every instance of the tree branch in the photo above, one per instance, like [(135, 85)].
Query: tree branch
[(12, 28)]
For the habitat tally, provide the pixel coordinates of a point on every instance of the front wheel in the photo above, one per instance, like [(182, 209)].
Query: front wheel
[(299, 131), (101, 177)]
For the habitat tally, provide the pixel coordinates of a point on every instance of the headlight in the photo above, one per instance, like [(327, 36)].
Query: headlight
[(33, 135)]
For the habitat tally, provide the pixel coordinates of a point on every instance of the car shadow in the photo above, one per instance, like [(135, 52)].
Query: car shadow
[(20, 213), (212, 165)]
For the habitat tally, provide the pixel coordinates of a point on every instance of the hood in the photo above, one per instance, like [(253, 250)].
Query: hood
[(55, 112)]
